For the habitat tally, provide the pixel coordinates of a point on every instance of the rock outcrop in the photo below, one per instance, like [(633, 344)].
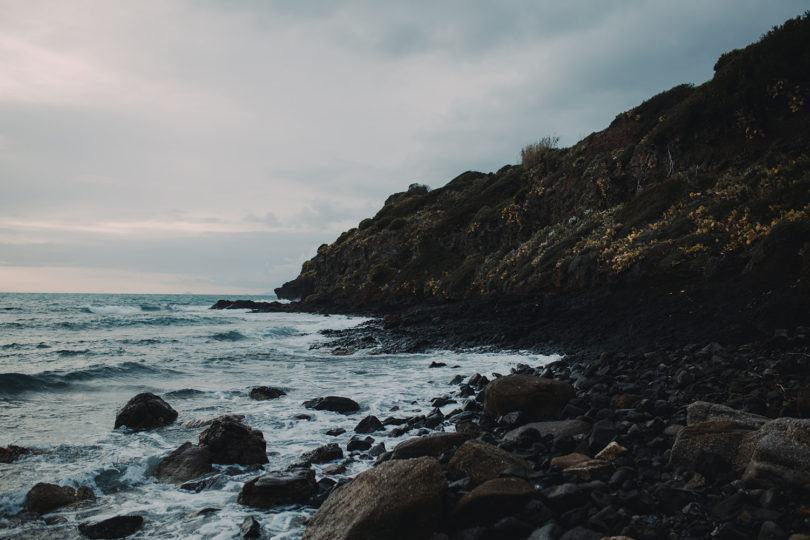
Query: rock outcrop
[(397, 500), (187, 462), (145, 411), (481, 462), (231, 441), (337, 404), (276, 488), (44, 497)]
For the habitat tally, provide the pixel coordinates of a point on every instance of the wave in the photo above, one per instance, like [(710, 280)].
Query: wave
[(12, 346), (17, 383), (111, 310), (281, 331), (166, 320), (68, 352), (184, 393)]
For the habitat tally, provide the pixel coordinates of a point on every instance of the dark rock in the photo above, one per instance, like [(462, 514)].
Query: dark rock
[(602, 433), (554, 428), (442, 401), (491, 500), (369, 424), (266, 392), (771, 531), (536, 396), (703, 411), (359, 445), (44, 497), (481, 461), (323, 454), (433, 445), (145, 411), (780, 454), (581, 533), (395, 500), (12, 453), (437, 364), (187, 462), (377, 450), (337, 404), (721, 437), (276, 488), (250, 528), (510, 528), (114, 527), (231, 441), (334, 432)]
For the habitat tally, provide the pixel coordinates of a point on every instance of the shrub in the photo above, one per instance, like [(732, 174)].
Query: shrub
[(535, 153)]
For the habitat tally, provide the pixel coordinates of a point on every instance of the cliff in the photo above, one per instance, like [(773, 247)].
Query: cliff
[(695, 187)]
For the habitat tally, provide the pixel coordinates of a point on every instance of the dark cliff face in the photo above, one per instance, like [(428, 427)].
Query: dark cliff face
[(695, 185)]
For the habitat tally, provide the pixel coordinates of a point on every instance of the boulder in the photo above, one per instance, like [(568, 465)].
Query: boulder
[(357, 444), (491, 500), (323, 454), (114, 527), (481, 462), (44, 497), (266, 392), (276, 488), (185, 463), (703, 411), (722, 438), (535, 396), (779, 454), (432, 445), (12, 453), (231, 441), (337, 404), (250, 528), (397, 500), (555, 428), (369, 424), (145, 411)]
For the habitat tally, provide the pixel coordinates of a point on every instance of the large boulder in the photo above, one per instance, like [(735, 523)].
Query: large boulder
[(44, 497), (491, 500), (433, 445), (535, 396), (482, 461), (231, 441), (262, 393), (722, 438), (187, 462), (779, 454), (338, 404), (397, 500), (276, 488), (369, 424), (114, 527), (703, 411), (145, 411)]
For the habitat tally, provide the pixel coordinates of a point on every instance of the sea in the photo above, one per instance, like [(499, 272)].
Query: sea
[(68, 362)]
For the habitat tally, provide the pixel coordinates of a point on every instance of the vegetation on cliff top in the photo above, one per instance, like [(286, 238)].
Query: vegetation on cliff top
[(695, 184)]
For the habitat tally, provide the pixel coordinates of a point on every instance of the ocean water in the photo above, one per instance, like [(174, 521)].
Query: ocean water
[(69, 361)]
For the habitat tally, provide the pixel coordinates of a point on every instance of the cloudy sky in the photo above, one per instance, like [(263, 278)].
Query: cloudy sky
[(211, 146)]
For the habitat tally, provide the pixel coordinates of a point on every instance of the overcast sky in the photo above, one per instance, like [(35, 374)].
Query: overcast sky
[(211, 146)]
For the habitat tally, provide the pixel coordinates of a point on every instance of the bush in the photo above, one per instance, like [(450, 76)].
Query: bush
[(535, 153)]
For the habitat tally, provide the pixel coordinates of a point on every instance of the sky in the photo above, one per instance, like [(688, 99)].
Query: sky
[(210, 146)]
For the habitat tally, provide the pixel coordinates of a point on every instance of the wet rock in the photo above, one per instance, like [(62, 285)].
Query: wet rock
[(396, 500), (554, 428), (12, 453), (145, 411), (482, 461), (44, 497), (491, 500), (114, 527), (432, 445), (187, 462), (231, 441), (276, 488), (337, 404), (437, 364), (703, 411), (369, 424), (535, 396), (357, 444), (323, 454), (602, 433), (771, 531), (582, 533), (334, 432), (377, 450), (266, 392), (250, 528), (722, 438), (780, 454)]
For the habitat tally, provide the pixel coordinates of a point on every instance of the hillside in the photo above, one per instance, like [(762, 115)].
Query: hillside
[(695, 187)]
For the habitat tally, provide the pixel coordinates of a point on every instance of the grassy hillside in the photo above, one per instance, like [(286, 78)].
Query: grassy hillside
[(695, 185)]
